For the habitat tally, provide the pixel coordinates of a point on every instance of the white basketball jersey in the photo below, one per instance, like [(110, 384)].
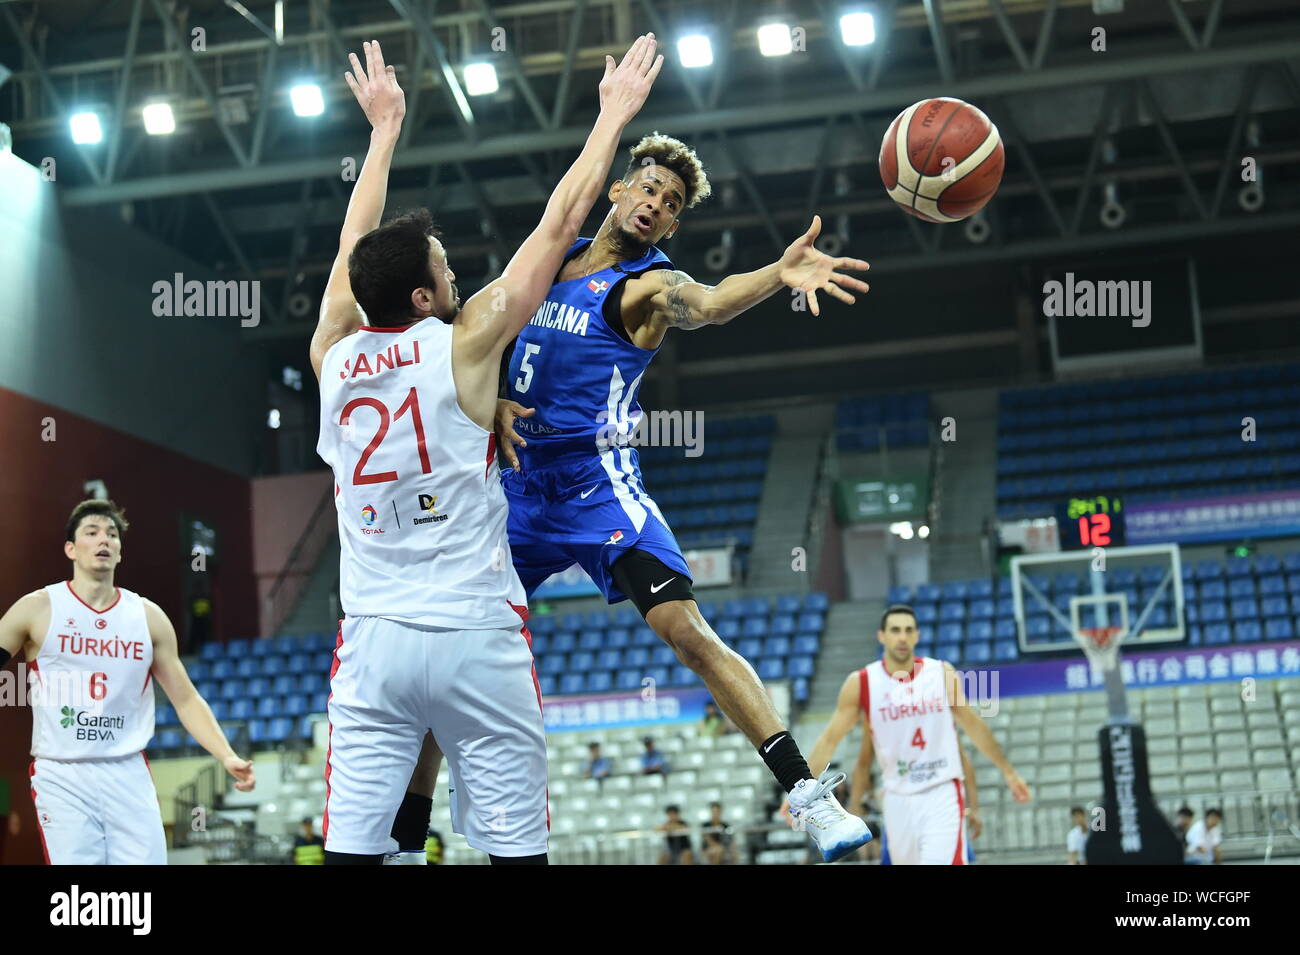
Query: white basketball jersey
[(92, 689), (421, 512), (912, 726)]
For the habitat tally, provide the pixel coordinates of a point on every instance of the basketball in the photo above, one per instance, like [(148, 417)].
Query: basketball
[(941, 160)]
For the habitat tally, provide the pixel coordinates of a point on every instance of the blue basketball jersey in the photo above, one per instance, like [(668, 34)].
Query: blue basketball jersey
[(580, 374)]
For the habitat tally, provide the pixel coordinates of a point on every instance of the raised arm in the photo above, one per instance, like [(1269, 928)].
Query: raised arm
[(674, 300), (384, 103), (191, 709), (498, 312)]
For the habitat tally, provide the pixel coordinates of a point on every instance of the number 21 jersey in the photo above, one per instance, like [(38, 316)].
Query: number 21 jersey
[(421, 512)]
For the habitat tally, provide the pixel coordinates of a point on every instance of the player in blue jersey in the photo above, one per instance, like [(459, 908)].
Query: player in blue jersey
[(574, 484), (575, 488)]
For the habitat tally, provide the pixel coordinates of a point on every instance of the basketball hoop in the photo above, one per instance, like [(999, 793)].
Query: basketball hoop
[(1101, 644)]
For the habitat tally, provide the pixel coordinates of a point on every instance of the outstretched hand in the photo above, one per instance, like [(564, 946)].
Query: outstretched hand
[(624, 88), (376, 89), (804, 267)]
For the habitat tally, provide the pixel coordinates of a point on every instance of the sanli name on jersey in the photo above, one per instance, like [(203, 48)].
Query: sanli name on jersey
[(565, 318), (386, 360)]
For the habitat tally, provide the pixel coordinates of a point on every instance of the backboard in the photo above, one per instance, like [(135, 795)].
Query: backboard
[(1059, 597)]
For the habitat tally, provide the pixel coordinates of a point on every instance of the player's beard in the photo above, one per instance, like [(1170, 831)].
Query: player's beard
[(628, 244)]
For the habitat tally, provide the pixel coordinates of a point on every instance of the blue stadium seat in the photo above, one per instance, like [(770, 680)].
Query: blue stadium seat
[(1213, 590), (771, 668), (581, 661), (776, 647), (268, 706), (541, 623), (1272, 585), (800, 666), (236, 648), (223, 669), (948, 651), (733, 608), (232, 689), (1038, 626), (926, 613), (1217, 633), (1208, 569), (628, 680), (782, 625), (980, 589), (209, 689), (547, 684), (261, 648), (951, 632), (979, 630), (625, 616), (787, 604), (169, 739), (541, 645), (817, 602), (1245, 608), (811, 622), (299, 663), (979, 652), (272, 666), (636, 657), (618, 638), (212, 651), (728, 630), (899, 595), (750, 649), (1006, 607), (981, 609), (565, 641), (199, 670), (952, 610), (1279, 628), (284, 684), (599, 681), (953, 590), (591, 640), (1241, 587), (572, 683), (1274, 607), (220, 710), (754, 627), (1005, 629), (927, 593), (1238, 567), (571, 622), (643, 636), (553, 663), (806, 644), (608, 660), (241, 709), (256, 687), (802, 689), (1212, 611), (295, 705), (1005, 651), (1247, 631), (595, 620)]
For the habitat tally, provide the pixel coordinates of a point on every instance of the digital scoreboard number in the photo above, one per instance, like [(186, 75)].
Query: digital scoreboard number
[(1093, 521)]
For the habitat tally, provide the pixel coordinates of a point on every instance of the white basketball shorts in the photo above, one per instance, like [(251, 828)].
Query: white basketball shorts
[(477, 691), (98, 811), (927, 828)]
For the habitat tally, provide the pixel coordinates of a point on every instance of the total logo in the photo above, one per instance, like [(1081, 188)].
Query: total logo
[(368, 517), (429, 505)]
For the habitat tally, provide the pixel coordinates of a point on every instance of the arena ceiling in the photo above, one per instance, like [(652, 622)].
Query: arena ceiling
[(1158, 122)]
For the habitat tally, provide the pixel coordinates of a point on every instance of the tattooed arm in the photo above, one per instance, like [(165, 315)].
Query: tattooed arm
[(671, 299)]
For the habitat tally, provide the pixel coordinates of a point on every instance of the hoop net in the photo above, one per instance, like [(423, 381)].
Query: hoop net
[(1101, 644)]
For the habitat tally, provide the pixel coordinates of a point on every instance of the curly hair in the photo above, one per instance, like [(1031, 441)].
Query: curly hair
[(673, 154)]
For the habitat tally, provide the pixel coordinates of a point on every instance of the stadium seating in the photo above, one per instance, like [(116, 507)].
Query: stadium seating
[(1150, 439), (873, 421)]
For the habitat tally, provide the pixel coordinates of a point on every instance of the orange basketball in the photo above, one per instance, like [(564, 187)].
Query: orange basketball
[(941, 160)]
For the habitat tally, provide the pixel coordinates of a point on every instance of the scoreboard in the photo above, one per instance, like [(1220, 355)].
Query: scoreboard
[(1095, 520)]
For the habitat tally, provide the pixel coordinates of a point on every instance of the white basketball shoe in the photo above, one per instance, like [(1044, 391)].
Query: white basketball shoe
[(814, 809)]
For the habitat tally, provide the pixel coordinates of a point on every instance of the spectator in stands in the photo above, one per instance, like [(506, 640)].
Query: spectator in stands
[(1203, 840), (1076, 837), (718, 844), (713, 723), (652, 761), (598, 766), (677, 840), (308, 848), (1183, 822)]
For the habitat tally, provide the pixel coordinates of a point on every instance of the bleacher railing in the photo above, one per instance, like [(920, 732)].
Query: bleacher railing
[(1253, 822)]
